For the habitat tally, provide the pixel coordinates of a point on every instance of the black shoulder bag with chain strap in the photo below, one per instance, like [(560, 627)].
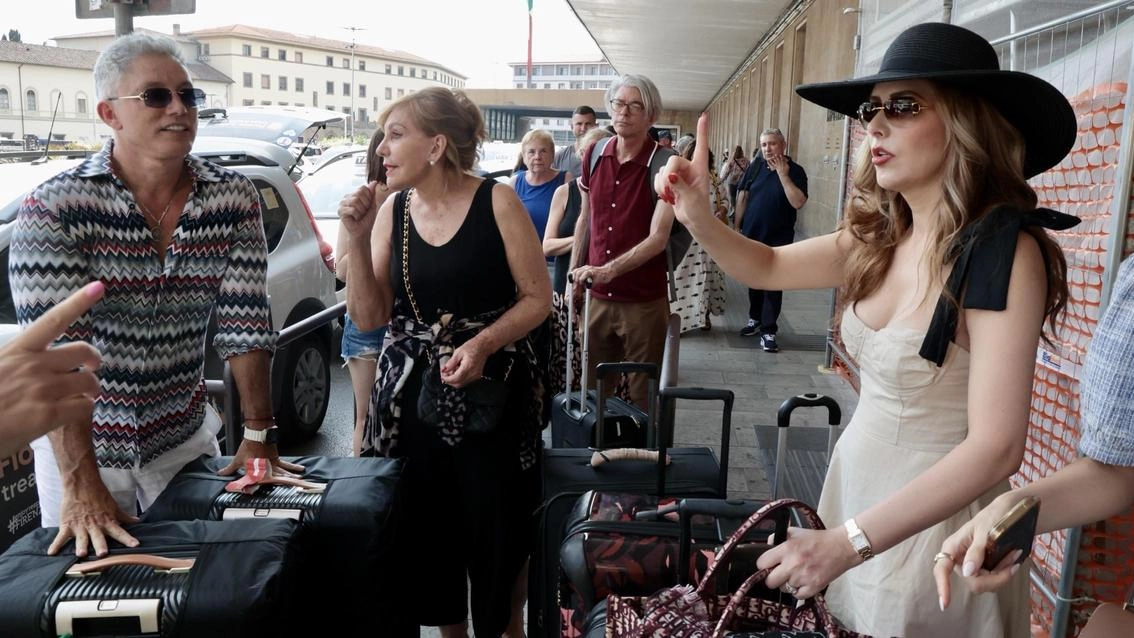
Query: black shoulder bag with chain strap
[(485, 399)]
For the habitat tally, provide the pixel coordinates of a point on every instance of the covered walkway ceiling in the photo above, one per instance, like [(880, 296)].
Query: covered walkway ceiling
[(689, 48)]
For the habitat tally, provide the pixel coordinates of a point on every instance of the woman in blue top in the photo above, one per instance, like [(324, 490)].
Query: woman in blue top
[(537, 184)]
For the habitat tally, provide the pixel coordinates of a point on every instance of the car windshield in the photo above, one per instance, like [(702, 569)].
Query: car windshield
[(324, 188)]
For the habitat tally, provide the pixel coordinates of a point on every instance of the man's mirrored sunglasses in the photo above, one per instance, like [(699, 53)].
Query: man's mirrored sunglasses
[(159, 98)]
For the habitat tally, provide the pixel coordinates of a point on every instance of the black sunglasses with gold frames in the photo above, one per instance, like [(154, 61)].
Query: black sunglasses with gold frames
[(895, 110), (159, 98)]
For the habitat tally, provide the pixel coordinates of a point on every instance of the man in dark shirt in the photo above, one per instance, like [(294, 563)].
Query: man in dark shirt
[(621, 236), (568, 158), (768, 196)]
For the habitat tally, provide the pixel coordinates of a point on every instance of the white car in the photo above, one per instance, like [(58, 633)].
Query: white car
[(301, 279)]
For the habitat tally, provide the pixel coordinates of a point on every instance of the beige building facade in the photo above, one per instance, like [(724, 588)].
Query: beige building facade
[(236, 65)]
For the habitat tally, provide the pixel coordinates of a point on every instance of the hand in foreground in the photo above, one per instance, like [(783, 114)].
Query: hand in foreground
[(359, 209), (808, 560), (465, 366), (47, 387), (964, 552), (779, 164), (252, 449), (685, 183), (89, 514)]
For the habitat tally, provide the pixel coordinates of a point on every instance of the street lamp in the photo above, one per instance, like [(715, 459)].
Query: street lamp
[(353, 88)]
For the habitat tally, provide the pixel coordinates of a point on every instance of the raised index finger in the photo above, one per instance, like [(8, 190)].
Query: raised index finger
[(43, 331), (701, 151)]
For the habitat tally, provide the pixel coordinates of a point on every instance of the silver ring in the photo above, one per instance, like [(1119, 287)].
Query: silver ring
[(790, 589), (941, 556)]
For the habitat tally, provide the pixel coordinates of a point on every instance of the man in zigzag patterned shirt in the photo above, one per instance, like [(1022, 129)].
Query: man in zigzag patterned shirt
[(173, 238)]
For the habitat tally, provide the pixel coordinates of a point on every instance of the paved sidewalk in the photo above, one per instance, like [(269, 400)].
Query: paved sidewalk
[(721, 358)]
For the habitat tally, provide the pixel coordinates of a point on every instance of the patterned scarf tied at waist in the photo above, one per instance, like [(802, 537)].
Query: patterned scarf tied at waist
[(411, 344)]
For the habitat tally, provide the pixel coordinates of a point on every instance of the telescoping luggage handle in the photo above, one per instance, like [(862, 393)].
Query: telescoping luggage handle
[(665, 435), (783, 419), (571, 342), (604, 371)]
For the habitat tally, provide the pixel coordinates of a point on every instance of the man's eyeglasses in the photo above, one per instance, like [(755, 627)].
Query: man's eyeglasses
[(619, 106), (895, 110), (159, 98)]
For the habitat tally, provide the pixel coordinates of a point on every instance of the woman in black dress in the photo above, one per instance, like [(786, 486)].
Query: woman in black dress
[(454, 264)]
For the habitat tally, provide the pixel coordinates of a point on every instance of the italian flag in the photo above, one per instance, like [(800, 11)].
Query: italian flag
[(530, 43)]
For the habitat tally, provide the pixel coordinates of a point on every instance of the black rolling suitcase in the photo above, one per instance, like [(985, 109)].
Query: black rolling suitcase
[(347, 531), (187, 578), (576, 418), (569, 473)]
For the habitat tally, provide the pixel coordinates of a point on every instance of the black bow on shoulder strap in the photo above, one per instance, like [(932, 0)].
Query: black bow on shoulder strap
[(987, 249)]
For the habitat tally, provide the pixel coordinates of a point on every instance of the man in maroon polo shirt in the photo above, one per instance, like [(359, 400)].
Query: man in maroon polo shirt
[(622, 233)]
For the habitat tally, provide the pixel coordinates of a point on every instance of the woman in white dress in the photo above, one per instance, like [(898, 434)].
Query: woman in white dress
[(947, 276), (697, 279)]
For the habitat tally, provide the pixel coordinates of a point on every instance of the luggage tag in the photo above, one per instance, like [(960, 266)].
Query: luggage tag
[(258, 471)]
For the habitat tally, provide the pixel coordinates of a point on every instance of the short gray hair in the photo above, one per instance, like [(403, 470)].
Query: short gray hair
[(116, 58), (771, 130), (651, 99)]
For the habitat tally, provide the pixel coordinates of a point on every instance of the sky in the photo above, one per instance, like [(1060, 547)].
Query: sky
[(476, 38)]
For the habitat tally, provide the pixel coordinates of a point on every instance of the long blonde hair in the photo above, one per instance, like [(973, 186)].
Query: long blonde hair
[(984, 169)]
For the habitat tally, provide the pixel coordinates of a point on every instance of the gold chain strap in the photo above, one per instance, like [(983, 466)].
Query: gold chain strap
[(405, 256)]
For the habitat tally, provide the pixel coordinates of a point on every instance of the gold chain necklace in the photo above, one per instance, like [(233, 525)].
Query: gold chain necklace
[(165, 211)]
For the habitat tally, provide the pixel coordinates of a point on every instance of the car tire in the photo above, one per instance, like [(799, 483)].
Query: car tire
[(305, 390)]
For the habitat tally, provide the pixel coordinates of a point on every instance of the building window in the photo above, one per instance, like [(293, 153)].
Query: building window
[(346, 88), (401, 92), (520, 71), (434, 75), (346, 63), (592, 70), (246, 49), (412, 72), (247, 80), (282, 55), (265, 81), (299, 57), (547, 85), (562, 85), (401, 70), (248, 102), (205, 49), (265, 102), (361, 90), (363, 116), (389, 94), (424, 73), (388, 69), (561, 70), (546, 122), (346, 110), (264, 52), (519, 86), (330, 88), (314, 99), (283, 82), (375, 102), (299, 85), (330, 60), (536, 70), (80, 104), (362, 65)]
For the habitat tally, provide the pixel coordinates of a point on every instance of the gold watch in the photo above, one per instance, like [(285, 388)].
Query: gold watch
[(858, 540)]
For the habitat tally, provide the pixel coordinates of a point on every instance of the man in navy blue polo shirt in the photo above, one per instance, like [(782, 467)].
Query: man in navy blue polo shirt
[(767, 198)]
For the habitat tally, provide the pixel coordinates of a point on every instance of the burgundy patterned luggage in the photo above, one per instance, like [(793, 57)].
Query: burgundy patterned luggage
[(569, 473), (187, 578), (631, 544)]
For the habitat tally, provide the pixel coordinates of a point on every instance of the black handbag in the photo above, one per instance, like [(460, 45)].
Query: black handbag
[(485, 399)]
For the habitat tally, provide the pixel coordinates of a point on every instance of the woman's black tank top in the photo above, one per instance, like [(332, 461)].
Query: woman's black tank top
[(466, 276)]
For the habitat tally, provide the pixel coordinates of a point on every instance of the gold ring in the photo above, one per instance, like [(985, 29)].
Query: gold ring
[(941, 556)]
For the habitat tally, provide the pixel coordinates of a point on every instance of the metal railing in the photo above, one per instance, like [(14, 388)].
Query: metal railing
[(225, 388)]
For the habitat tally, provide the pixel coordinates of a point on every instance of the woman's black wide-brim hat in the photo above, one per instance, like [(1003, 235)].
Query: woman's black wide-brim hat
[(952, 55)]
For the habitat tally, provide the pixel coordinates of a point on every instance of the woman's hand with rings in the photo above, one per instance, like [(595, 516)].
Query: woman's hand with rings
[(465, 366), (965, 551), (810, 559)]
